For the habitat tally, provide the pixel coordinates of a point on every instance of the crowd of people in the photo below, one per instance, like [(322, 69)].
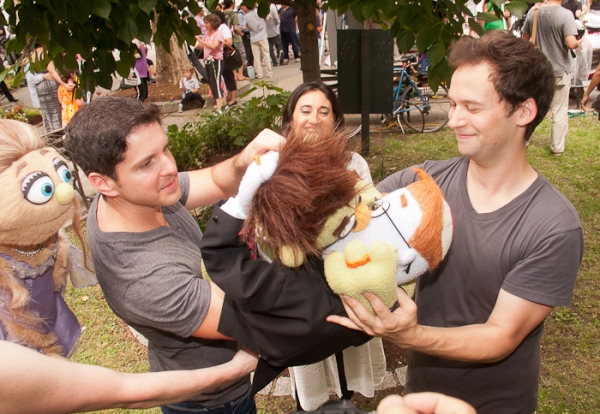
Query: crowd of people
[(472, 330)]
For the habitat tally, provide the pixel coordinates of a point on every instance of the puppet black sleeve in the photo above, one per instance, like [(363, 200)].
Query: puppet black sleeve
[(279, 313)]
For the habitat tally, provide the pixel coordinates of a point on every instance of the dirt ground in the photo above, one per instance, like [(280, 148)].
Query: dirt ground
[(159, 93)]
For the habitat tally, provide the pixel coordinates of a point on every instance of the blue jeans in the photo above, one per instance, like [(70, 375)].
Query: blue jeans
[(241, 405)]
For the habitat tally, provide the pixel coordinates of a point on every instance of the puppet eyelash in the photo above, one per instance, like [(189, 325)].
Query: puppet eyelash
[(26, 183)]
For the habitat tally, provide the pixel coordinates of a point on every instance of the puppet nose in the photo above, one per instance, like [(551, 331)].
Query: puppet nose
[(64, 193)]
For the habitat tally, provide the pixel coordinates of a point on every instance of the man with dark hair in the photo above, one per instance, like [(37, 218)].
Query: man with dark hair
[(474, 329), (556, 35), (145, 244)]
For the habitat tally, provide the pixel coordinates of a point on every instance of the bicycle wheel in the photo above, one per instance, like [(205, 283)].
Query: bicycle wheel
[(354, 132), (435, 106), (410, 114)]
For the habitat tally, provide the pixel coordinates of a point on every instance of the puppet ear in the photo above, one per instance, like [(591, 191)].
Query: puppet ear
[(291, 257)]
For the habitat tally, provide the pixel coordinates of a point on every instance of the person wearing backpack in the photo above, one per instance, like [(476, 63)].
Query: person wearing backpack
[(233, 22)]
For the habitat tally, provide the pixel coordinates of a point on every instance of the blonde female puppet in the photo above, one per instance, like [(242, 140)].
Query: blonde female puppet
[(290, 207), (37, 199)]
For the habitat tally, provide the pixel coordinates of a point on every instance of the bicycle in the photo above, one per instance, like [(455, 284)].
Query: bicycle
[(421, 109)]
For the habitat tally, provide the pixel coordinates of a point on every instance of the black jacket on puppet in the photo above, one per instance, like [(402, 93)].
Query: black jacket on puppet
[(277, 312)]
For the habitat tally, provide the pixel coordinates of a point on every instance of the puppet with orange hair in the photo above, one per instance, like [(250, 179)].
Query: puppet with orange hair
[(37, 200), (289, 209)]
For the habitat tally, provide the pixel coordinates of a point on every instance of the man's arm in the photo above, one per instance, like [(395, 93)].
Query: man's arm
[(64, 386), (512, 319), (593, 83), (209, 185), (208, 328), (571, 42)]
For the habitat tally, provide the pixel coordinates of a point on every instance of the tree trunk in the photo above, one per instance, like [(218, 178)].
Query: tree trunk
[(169, 67), (309, 45)]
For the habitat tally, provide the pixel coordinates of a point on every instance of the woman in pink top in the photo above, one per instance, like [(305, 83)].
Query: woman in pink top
[(213, 56)]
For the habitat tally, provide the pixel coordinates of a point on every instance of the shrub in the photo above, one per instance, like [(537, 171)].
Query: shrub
[(235, 127)]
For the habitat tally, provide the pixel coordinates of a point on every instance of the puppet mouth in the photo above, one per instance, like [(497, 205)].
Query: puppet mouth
[(46, 222)]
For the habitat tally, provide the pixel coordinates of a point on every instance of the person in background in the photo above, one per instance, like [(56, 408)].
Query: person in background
[(213, 57), (68, 101), (228, 73), (47, 91), (556, 36), (246, 37), (190, 87), (287, 28), (67, 387), (236, 31), (259, 43), (141, 65), (273, 36)]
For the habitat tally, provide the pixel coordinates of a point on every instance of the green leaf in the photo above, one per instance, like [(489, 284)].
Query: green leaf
[(436, 53), (194, 7), (475, 26), (405, 41), (172, 129), (101, 8), (128, 31), (427, 36), (147, 5), (263, 9), (518, 8), (487, 17)]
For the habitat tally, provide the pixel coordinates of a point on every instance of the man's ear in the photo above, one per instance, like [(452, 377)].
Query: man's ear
[(105, 185), (527, 112)]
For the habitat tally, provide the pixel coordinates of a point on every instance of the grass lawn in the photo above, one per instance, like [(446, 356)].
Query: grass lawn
[(570, 365)]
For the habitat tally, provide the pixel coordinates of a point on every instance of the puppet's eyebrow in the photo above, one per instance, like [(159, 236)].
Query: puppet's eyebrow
[(21, 166), (43, 152)]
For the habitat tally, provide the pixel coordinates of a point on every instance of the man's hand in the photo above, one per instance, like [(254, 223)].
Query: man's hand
[(267, 140), (424, 403), (245, 360), (398, 327), (584, 101)]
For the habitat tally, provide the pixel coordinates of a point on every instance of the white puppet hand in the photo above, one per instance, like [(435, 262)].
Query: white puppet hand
[(257, 173)]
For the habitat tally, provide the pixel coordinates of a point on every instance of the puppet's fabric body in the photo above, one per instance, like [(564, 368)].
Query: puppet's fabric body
[(278, 312), (45, 302), (37, 200)]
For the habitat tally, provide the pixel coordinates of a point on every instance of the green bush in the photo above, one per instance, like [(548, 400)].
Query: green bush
[(235, 127)]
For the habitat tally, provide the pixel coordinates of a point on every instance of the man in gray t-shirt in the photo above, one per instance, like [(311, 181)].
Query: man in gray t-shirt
[(556, 31), (145, 244), (474, 329)]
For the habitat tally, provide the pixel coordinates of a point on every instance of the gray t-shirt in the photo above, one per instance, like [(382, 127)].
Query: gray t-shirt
[(555, 23), (531, 248), (152, 280)]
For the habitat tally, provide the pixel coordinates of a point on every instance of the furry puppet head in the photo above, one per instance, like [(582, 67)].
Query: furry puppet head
[(37, 195), (310, 185)]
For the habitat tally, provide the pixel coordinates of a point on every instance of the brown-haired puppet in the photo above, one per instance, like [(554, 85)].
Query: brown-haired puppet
[(36, 200), (279, 310)]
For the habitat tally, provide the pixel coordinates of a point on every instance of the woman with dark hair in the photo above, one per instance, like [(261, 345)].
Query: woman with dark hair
[(213, 56), (313, 105)]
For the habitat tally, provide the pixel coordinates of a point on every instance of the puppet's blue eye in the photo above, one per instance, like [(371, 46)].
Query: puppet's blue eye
[(37, 188), (62, 170)]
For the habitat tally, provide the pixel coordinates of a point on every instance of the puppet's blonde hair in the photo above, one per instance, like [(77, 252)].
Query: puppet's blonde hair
[(16, 140)]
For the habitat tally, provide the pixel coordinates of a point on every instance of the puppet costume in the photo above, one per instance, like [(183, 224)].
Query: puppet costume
[(275, 311), (35, 260)]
